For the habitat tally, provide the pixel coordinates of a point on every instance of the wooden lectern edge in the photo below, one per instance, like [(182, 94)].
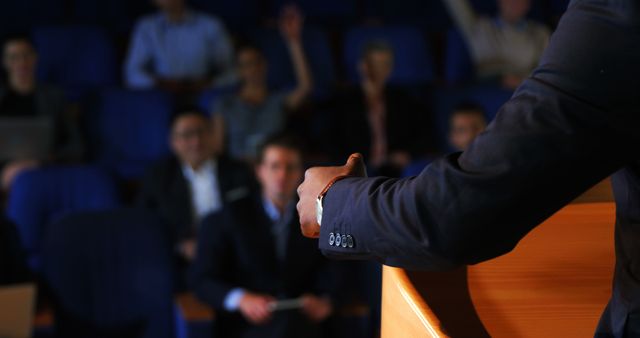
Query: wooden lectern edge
[(415, 301)]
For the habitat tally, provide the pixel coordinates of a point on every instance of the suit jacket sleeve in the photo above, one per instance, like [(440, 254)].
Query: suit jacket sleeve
[(573, 123), (213, 262)]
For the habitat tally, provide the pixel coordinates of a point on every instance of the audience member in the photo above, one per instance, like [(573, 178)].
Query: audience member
[(251, 255), (180, 50), (13, 265), (467, 121), (23, 99), (383, 122), (244, 119), (507, 47), (192, 182)]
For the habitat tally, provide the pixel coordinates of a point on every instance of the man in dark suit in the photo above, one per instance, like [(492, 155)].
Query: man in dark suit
[(251, 254), (193, 182), (571, 124)]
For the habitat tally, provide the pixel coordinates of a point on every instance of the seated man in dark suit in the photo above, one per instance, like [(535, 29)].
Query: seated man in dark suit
[(193, 182), (13, 266), (251, 254)]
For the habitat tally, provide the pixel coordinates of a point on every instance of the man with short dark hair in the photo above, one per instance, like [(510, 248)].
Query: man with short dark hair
[(466, 122), (193, 182), (251, 255)]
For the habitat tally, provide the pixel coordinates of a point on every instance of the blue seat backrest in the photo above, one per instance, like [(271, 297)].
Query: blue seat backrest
[(281, 74), (110, 275), (130, 130), (78, 58), (39, 196), (413, 59)]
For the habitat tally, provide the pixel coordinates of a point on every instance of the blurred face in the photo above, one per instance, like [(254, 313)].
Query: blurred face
[(280, 172), (377, 66), (465, 126), (20, 59), (514, 10), (252, 66), (192, 139), (169, 5)]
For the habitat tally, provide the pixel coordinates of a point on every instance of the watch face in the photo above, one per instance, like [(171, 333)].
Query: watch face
[(319, 211)]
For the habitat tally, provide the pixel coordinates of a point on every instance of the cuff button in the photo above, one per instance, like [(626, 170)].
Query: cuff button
[(332, 238), (350, 242)]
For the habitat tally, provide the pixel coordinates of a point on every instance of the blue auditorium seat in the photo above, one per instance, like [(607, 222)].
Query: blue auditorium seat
[(118, 15), (110, 275), (78, 58), (40, 196), (458, 64), (428, 15), (413, 60), (235, 14), (489, 97), (130, 129), (22, 15), (281, 74), (327, 12)]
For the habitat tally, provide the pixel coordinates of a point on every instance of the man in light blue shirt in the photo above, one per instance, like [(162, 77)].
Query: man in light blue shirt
[(180, 50)]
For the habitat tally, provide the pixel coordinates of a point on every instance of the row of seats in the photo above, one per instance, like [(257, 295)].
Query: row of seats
[(82, 58), (120, 15)]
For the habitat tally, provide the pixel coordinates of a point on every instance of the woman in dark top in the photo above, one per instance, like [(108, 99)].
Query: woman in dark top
[(383, 122), (23, 98)]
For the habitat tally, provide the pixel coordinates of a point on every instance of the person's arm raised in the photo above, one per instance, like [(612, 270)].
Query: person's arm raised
[(291, 25)]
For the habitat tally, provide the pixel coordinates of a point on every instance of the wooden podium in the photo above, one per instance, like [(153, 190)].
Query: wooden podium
[(555, 283)]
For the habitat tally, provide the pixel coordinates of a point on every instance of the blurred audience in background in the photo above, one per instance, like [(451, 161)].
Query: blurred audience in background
[(193, 182), (180, 50), (505, 48), (250, 255), (43, 128), (466, 123), (385, 123), (245, 118), (229, 203), (13, 264)]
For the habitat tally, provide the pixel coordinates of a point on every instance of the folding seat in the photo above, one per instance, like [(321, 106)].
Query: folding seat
[(130, 130), (40, 196), (110, 275), (78, 58), (413, 60), (458, 64), (326, 12), (318, 52)]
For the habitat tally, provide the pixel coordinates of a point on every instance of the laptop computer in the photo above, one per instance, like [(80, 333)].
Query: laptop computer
[(25, 138), (17, 307)]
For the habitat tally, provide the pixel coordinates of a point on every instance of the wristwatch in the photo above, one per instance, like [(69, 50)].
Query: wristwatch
[(319, 205)]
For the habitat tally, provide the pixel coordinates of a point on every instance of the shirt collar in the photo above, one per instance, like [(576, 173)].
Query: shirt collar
[(210, 166), (189, 15), (272, 211)]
